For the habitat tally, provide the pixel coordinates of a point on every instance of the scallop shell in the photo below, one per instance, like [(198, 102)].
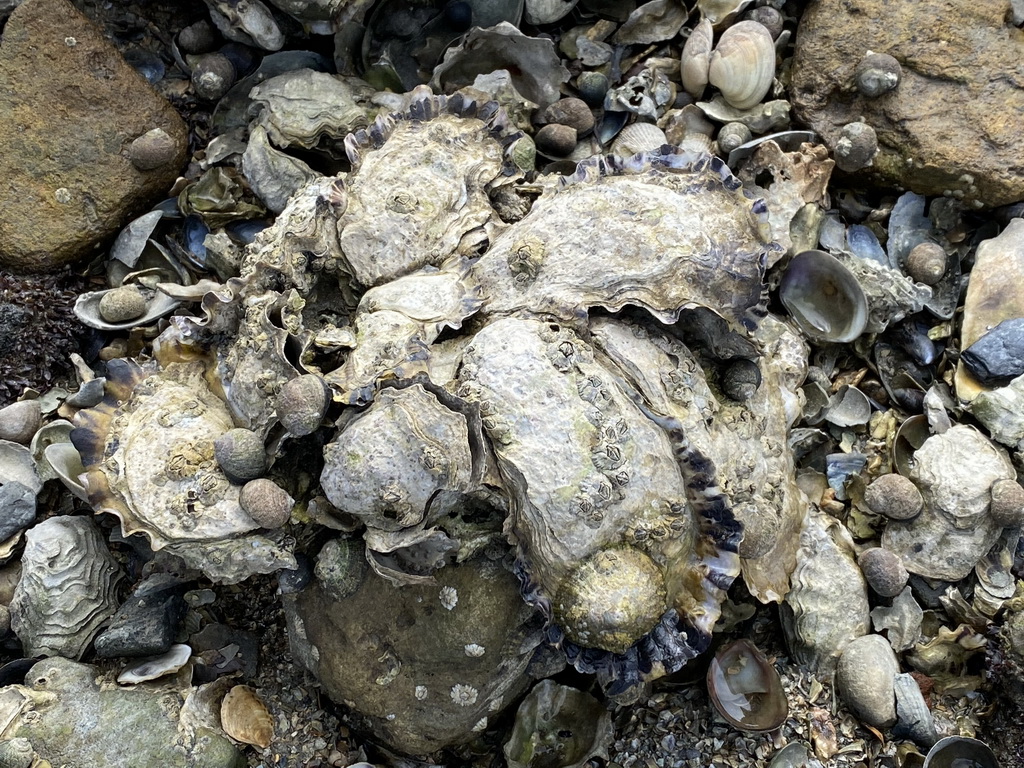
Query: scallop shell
[(696, 59), (742, 66), (244, 717), (68, 588)]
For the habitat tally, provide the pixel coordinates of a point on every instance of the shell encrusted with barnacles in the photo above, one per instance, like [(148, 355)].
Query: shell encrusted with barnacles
[(563, 369)]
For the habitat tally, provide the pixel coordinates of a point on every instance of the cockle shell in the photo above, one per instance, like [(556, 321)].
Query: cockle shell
[(742, 66), (68, 587), (638, 137), (696, 58), (148, 450)]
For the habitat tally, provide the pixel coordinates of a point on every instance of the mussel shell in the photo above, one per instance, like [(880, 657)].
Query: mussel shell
[(824, 297)]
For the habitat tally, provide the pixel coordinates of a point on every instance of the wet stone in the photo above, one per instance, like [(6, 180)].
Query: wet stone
[(69, 108), (864, 679), (998, 356), (883, 571), (146, 622), (17, 509)]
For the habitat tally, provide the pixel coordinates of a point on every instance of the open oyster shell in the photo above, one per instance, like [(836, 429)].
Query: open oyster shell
[(148, 453)]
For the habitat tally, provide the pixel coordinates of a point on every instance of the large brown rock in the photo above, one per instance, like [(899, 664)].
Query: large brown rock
[(70, 107), (953, 124)]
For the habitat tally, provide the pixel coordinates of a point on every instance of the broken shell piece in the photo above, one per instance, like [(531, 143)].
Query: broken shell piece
[(954, 751), (742, 66), (696, 58), (68, 587), (546, 11), (244, 717), (64, 459), (156, 666), (558, 726), (824, 298), (746, 689)]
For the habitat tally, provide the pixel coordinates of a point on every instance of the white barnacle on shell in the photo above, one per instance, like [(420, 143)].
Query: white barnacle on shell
[(464, 695), (474, 650), (480, 726), (420, 693), (449, 597)]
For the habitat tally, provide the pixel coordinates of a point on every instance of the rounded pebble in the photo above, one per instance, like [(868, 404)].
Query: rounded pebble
[(212, 75), (122, 304), (197, 38), (877, 73), (1007, 507), (741, 379), (884, 571), (593, 86), (894, 496), (571, 112), (926, 263), (733, 135), (556, 140), (152, 149), (856, 147), (302, 403), (20, 421), (266, 502), (240, 453), (865, 678)]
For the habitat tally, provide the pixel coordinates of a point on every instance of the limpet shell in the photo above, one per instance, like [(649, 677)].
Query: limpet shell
[(742, 66), (244, 717)]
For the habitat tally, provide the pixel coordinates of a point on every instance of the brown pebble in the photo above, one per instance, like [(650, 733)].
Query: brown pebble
[(266, 502), (20, 421), (572, 112), (556, 140), (1007, 507), (894, 496), (152, 149), (884, 571), (926, 263)]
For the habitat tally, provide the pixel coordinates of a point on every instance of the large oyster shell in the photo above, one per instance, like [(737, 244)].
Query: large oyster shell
[(68, 588), (665, 230), (148, 453), (620, 525)]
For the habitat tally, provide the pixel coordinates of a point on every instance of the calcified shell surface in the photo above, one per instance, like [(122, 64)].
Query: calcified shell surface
[(540, 369)]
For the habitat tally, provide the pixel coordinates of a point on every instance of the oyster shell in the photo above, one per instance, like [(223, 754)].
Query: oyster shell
[(664, 230), (148, 453), (955, 472), (68, 588), (619, 523), (827, 606)]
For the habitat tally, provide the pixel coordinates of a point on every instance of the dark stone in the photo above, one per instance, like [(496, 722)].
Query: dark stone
[(146, 623), (998, 356), (18, 503)]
